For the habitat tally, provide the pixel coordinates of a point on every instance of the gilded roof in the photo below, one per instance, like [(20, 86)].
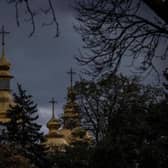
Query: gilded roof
[(6, 100), (61, 137), (53, 123), (5, 95), (3, 60), (54, 139), (4, 66)]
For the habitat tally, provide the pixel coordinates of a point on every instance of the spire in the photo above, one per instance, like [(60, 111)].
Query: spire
[(3, 32), (71, 93), (71, 73), (4, 63), (71, 109), (5, 77), (53, 124), (53, 102)]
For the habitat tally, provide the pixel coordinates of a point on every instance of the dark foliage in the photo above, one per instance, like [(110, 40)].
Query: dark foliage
[(11, 158), (74, 157), (22, 132), (131, 119), (112, 95)]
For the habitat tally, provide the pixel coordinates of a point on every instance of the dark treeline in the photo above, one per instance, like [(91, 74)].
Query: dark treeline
[(128, 121)]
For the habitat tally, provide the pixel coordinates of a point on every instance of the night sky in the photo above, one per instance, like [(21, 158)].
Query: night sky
[(40, 63)]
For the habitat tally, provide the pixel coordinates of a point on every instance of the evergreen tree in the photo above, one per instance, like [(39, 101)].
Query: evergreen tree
[(22, 132)]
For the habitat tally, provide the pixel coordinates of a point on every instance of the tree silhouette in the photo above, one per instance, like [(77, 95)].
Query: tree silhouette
[(131, 120), (22, 132), (109, 97), (114, 30)]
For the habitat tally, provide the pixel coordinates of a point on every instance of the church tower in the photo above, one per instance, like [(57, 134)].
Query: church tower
[(5, 77), (71, 132), (71, 114), (54, 140), (72, 129)]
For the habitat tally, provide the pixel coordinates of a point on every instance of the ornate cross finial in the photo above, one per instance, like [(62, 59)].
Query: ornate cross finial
[(3, 32), (53, 102), (71, 73)]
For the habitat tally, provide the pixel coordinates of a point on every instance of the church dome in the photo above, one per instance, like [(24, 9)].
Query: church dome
[(5, 91), (53, 123), (4, 63)]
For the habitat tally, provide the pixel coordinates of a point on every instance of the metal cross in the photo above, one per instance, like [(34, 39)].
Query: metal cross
[(3, 32), (71, 73), (53, 102)]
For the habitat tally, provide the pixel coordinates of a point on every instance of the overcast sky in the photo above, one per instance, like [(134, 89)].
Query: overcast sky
[(40, 63)]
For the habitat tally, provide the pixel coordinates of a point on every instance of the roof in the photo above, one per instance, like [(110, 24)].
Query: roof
[(3, 60)]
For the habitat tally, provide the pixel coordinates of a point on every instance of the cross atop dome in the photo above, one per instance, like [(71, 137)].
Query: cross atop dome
[(71, 73), (3, 32), (53, 102)]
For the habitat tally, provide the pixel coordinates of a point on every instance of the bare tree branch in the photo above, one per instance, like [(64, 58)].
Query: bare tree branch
[(31, 16), (54, 18), (113, 30), (32, 13)]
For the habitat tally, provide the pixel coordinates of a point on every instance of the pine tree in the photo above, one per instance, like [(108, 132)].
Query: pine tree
[(22, 132)]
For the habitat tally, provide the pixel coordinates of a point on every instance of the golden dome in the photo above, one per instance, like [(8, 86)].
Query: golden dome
[(54, 140), (4, 63), (5, 94), (53, 123)]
